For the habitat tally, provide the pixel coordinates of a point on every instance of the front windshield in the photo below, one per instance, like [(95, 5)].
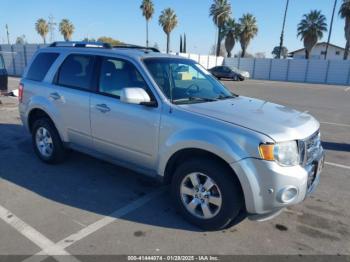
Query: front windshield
[(184, 81)]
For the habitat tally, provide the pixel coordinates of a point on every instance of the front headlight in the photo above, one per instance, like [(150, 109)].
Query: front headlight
[(284, 153)]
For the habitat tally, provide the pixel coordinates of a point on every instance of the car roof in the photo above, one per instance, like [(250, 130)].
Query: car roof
[(133, 53)]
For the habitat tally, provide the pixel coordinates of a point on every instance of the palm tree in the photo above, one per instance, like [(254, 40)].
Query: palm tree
[(311, 29), (344, 12), (66, 29), (248, 30), (168, 20), (231, 32), (147, 8), (220, 10), (42, 27)]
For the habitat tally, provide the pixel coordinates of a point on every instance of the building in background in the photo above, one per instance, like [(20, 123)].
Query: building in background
[(318, 52)]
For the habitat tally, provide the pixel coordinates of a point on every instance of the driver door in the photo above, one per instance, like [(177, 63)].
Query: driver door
[(125, 132)]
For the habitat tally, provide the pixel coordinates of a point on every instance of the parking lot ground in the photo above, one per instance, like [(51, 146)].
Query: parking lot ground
[(87, 206)]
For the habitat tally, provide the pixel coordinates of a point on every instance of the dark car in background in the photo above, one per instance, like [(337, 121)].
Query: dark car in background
[(229, 73), (3, 75)]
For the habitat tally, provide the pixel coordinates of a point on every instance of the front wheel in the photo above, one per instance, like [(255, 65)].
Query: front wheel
[(207, 193)]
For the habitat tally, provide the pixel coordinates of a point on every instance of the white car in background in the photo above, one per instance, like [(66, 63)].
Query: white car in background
[(243, 73)]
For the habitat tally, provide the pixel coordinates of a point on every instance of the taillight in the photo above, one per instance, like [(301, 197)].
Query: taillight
[(20, 92)]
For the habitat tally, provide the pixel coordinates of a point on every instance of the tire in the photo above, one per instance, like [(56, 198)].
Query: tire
[(226, 185), (55, 152)]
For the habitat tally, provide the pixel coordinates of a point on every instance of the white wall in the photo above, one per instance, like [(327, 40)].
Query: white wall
[(296, 70), (17, 57), (207, 61)]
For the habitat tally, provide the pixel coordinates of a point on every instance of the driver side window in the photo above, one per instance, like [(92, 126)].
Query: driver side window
[(117, 74)]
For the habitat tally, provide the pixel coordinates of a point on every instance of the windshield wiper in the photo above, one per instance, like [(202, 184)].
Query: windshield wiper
[(194, 98), (222, 97)]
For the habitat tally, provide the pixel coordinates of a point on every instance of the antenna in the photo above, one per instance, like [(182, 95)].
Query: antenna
[(52, 26)]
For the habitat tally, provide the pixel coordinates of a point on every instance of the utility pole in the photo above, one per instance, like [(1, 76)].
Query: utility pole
[(52, 26), (8, 34), (330, 30), (282, 33)]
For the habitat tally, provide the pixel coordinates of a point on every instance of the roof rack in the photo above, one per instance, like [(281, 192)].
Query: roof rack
[(81, 44), (129, 46)]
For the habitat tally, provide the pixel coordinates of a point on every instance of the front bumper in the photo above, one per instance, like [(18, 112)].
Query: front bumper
[(265, 183)]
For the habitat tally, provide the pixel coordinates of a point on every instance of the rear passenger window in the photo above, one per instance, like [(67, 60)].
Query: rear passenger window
[(76, 71), (41, 66)]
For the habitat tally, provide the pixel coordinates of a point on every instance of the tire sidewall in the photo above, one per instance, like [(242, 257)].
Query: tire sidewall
[(225, 180), (57, 153)]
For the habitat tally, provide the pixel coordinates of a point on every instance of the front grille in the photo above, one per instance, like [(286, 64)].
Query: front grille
[(310, 148)]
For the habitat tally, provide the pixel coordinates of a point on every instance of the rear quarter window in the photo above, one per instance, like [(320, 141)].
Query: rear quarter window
[(41, 65)]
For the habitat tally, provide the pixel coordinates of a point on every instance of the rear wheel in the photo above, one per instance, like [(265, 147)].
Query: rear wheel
[(46, 141), (207, 193)]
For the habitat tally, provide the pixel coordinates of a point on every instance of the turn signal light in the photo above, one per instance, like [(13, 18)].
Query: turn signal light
[(267, 151)]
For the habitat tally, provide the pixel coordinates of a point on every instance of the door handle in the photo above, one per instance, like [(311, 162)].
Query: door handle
[(103, 108), (55, 96)]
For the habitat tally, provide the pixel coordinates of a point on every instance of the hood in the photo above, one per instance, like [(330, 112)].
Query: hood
[(279, 122)]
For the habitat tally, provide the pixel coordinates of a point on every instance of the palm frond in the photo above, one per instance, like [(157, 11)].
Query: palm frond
[(168, 20), (147, 8)]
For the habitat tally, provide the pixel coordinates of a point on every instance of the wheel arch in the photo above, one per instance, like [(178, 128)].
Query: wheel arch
[(38, 112), (186, 153)]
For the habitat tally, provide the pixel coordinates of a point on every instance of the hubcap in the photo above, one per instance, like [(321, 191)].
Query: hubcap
[(44, 142), (201, 195)]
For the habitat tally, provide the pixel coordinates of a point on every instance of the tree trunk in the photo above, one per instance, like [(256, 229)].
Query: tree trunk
[(44, 38), (243, 52), (218, 45), (147, 33), (229, 44), (306, 54), (309, 43), (167, 43), (347, 37), (346, 52)]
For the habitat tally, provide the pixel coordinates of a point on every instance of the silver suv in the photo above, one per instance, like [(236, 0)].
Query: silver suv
[(225, 156)]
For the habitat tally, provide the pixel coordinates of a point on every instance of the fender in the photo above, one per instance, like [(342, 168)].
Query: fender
[(40, 102), (203, 139)]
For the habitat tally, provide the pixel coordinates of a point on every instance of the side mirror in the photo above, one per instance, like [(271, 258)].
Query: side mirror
[(136, 95)]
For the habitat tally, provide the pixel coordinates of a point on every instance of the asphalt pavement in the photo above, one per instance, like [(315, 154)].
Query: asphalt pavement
[(87, 206)]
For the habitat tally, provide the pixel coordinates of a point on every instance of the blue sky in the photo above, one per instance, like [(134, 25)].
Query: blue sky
[(122, 20)]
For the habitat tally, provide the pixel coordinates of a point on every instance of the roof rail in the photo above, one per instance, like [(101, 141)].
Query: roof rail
[(129, 46), (81, 44)]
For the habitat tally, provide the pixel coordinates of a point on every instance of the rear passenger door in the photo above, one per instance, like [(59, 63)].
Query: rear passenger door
[(126, 132), (70, 94)]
